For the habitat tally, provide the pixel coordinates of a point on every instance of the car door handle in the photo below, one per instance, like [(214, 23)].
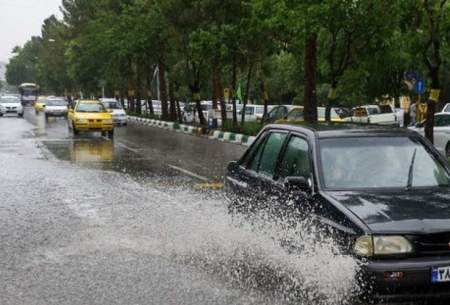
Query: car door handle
[(237, 182)]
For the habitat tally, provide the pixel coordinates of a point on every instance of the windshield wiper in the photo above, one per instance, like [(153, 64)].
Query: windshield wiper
[(411, 171)]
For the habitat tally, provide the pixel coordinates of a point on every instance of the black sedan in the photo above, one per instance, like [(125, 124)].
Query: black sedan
[(384, 193)]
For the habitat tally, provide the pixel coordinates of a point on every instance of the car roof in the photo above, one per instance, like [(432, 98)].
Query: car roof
[(89, 102), (336, 130)]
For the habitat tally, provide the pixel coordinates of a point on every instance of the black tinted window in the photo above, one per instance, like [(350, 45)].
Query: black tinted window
[(442, 121), (266, 157), (296, 160)]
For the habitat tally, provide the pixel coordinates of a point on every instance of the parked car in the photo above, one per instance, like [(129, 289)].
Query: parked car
[(441, 132), (280, 113), (297, 115), (10, 105), (90, 116), (253, 113), (118, 113), (55, 107), (373, 114), (384, 194)]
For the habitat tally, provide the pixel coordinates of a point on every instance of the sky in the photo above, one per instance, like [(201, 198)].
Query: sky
[(21, 19)]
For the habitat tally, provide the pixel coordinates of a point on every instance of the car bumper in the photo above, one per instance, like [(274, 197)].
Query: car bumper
[(91, 127), (416, 282), (120, 121), (56, 114), (5, 112)]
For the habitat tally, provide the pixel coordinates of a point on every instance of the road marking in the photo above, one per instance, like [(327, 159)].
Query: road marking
[(189, 173), (129, 148), (210, 185)]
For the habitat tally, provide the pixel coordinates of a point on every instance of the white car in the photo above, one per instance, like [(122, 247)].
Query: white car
[(118, 113), (10, 105), (441, 132), (374, 114), (55, 107)]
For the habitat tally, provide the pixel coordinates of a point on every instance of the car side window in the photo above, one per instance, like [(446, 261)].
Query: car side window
[(296, 160), (254, 150), (442, 121), (266, 158)]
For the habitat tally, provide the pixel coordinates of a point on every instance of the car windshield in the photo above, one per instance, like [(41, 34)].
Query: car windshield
[(259, 110), (296, 114), (55, 103), (90, 107), (9, 100), (249, 110), (379, 162), (112, 105)]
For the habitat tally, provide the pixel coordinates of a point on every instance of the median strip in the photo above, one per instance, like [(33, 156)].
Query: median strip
[(226, 137)]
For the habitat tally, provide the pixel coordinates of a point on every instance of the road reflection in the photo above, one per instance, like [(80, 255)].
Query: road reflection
[(100, 150)]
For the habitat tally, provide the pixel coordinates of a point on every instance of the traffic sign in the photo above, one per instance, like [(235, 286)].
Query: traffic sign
[(420, 86)]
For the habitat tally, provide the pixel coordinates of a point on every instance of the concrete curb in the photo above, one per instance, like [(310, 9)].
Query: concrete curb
[(226, 137)]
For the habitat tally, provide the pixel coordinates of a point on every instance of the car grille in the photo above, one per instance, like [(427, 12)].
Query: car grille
[(433, 244)]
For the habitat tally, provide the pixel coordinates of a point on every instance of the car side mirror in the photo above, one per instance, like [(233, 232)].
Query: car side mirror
[(298, 183), (233, 166)]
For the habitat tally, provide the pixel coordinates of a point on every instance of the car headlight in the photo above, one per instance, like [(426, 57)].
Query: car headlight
[(82, 121), (368, 245), (108, 121)]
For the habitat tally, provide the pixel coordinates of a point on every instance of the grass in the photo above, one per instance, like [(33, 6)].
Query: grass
[(249, 128)]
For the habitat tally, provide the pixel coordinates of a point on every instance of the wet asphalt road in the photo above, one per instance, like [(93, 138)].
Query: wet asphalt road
[(85, 220)]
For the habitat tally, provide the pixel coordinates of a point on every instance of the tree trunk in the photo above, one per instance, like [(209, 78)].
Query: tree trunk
[(310, 98), (215, 93), (223, 106), (173, 110), (247, 91), (331, 101), (265, 98), (138, 91), (234, 90), (179, 113), (163, 91), (431, 109), (149, 92)]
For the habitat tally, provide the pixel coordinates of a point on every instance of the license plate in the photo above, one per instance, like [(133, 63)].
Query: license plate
[(440, 275)]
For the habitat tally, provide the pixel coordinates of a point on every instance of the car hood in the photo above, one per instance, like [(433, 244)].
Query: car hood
[(412, 212), (11, 104)]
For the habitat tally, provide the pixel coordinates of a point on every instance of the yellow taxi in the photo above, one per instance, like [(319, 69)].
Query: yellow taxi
[(39, 105), (90, 116)]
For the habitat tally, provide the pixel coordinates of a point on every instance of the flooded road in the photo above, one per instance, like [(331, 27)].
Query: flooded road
[(87, 220)]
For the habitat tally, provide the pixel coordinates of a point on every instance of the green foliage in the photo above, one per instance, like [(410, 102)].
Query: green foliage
[(364, 47)]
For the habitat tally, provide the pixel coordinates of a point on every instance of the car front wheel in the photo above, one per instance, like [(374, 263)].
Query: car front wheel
[(447, 151), (111, 134)]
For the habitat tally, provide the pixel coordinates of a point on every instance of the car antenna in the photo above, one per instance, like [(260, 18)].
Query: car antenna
[(411, 171)]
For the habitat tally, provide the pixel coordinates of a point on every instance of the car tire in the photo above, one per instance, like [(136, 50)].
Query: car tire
[(20, 115), (1, 114), (447, 151), (111, 134), (75, 132)]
